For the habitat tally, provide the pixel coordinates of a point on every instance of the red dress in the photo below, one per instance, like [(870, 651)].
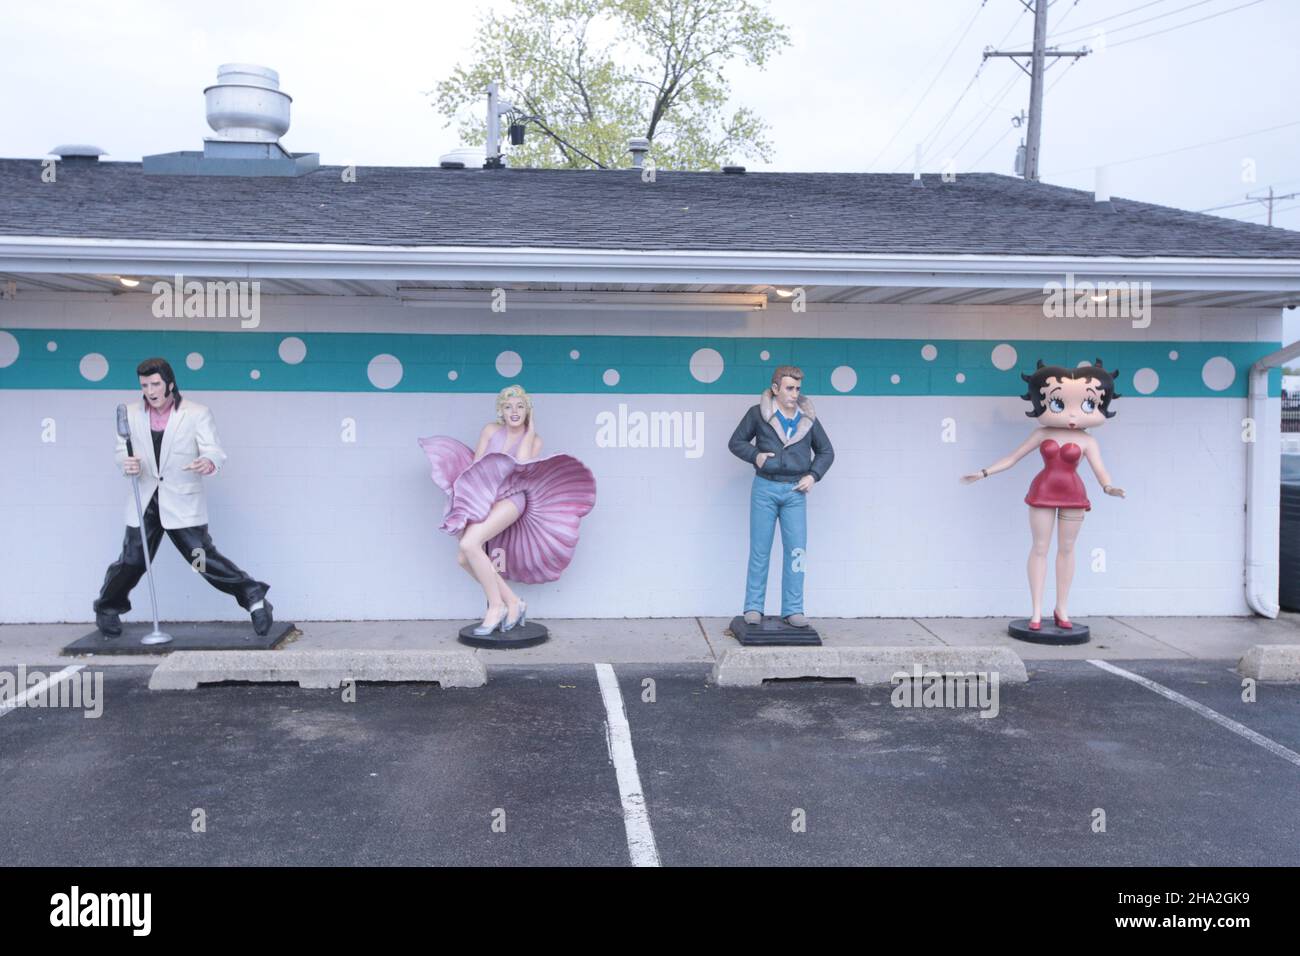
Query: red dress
[(1058, 485)]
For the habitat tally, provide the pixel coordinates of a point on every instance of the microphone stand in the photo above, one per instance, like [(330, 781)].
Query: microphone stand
[(156, 636)]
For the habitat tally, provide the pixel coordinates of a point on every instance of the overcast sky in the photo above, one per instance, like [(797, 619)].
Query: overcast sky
[(129, 77)]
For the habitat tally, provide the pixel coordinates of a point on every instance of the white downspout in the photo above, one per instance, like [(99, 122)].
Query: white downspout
[(1262, 493)]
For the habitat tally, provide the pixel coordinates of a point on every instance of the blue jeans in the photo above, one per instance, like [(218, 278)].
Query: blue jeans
[(768, 502)]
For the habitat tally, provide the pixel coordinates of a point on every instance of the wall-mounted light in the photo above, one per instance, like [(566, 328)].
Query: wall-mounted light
[(128, 282)]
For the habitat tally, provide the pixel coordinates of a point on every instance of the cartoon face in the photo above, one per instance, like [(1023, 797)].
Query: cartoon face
[(154, 389), (1072, 403), (514, 410)]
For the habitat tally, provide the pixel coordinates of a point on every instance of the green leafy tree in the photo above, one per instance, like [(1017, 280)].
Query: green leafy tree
[(597, 72)]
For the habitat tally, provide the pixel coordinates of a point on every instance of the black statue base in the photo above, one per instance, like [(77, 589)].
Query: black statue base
[(186, 636), (1049, 634), (527, 634), (773, 630)]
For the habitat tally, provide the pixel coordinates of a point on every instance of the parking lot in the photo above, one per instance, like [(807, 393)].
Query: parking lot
[(531, 769)]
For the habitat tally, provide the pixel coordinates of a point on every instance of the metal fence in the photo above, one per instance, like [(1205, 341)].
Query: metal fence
[(1291, 414)]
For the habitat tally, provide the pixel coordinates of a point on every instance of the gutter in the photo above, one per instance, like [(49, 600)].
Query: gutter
[(1262, 505), (272, 260)]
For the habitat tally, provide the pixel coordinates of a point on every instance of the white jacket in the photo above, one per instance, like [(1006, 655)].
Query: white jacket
[(190, 434)]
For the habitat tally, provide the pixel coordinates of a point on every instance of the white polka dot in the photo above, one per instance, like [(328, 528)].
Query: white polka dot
[(292, 350), (764, 355), (844, 379), (1218, 373), (384, 371), (255, 375), (453, 375), (194, 361), (1146, 381), (928, 352), (706, 365), (1173, 356), (51, 346), (93, 367), (961, 377), (895, 378), (509, 364), (573, 354), (1004, 356), (610, 377), (8, 349)]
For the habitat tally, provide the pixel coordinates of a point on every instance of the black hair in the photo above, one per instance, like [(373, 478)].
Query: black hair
[(1044, 373), (160, 366)]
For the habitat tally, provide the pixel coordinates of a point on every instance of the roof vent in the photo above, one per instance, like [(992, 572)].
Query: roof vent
[(638, 146), (246, 104), (78, 151), (466, 157), (733, 170), (249, 114)]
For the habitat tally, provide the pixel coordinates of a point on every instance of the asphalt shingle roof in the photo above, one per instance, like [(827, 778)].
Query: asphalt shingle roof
[(979, 213)]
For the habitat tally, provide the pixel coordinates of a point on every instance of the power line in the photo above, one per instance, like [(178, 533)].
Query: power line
[(1181, 149), (989, 115), (974, 78), (981, 118), (1135, 23), (1189, 23), (918, 103)]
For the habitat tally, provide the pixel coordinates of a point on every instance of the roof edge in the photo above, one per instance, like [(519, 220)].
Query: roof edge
[(270, 260)]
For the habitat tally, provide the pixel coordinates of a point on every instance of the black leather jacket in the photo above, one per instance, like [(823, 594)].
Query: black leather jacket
[(808, 452)]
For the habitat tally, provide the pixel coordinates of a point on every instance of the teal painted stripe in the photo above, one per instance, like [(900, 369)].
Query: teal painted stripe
[(338, 362)]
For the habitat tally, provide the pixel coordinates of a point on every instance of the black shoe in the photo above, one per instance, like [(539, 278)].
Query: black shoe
[(262, 619), (109, 624)]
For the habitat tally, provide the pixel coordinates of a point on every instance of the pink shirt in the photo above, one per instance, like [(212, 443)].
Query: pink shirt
[(158, 419)]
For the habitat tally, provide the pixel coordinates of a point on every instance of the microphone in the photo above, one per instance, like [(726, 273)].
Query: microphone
[(124, 429)]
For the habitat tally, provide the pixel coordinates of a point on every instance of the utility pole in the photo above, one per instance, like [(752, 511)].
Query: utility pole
[(1037, 60), (1268, 201)]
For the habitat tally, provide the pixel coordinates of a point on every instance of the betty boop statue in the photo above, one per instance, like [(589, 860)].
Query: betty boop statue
[(1066, 402)]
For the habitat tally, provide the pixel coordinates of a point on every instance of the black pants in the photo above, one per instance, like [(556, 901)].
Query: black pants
[(124, 573)]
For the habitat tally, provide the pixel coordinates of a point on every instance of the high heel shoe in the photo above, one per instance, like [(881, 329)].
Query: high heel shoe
[(483, 630), (1062, 622), (1035, 625), (523, 616)]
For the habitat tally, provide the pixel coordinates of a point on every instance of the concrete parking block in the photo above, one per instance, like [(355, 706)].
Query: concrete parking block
[(750, 666), (186, 670), (1274, 662)]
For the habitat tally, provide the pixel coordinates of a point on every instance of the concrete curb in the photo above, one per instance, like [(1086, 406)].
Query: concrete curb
[(186, 670), (1280, 662), (750, 666)]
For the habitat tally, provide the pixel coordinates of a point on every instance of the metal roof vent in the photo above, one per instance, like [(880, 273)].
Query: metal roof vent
[(78, 151), (638, 146), (467, 157), (246, 105), (249, 114)]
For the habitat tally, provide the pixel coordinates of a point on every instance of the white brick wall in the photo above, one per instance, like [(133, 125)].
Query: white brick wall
[(350, 531)]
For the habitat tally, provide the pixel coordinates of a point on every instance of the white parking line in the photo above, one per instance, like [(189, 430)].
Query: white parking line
[(1272, 746), (636, 818), (32, 691)]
